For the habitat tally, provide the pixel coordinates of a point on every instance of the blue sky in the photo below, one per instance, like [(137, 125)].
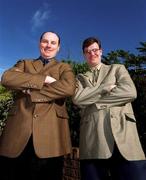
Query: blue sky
[(120, 24)]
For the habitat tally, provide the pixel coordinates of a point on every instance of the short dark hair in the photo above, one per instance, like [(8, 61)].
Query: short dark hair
[(50, 32), (90, 40)]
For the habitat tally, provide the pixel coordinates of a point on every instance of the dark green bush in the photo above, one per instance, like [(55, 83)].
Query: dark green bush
[(4, 108)]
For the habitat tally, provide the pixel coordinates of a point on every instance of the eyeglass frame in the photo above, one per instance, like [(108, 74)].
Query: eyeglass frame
[(95, 50)]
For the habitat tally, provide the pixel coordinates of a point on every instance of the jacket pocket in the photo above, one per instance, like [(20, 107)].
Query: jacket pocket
[(62, 114), (60, 108), (130, 117)]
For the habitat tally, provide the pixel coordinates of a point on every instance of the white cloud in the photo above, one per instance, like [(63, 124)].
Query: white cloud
[(40, 17)]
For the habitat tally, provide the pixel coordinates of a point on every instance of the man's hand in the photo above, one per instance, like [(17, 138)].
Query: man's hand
[(112, 87), (49, 79), (26, 91), (108, 88)]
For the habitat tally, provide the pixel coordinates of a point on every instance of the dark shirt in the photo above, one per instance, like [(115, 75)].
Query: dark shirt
[(44, 61)]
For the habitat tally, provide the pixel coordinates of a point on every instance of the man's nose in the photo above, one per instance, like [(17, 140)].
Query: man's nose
[(48, 44)]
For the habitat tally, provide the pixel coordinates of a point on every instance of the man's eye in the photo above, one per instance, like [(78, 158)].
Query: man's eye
[(44, 41), (53, 42)]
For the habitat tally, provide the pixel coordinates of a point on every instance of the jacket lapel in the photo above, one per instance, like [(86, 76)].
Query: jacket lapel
[(38, 66), (48, 69), (88, 76), (102, 74)]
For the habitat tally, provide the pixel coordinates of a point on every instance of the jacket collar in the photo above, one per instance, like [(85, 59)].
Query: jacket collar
[(38, 64), (104, 69)]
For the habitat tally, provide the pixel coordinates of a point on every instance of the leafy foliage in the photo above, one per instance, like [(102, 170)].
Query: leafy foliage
[(139, 105), (5, 103), (4, 108), (4, 94)]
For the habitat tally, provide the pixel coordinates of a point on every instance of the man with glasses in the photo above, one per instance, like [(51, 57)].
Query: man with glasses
[(36, 135), (109, 142)]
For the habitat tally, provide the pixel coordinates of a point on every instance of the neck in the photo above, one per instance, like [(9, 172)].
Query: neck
[(46, 58), (97, 66)]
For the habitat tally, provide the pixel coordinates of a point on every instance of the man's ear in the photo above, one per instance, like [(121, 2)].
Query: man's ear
[(101, 51), (58, 48)]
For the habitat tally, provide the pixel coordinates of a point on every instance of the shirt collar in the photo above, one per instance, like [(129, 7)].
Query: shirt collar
[(45, 61), (97, 67)]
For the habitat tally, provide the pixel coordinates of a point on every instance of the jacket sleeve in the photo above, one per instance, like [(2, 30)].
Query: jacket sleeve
[(61, 88), (16, 79), (123, 93)]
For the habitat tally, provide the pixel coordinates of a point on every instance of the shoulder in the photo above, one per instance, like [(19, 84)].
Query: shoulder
[(118, 65), (113, 65), (64, 65), (23, 61), (120, 69)]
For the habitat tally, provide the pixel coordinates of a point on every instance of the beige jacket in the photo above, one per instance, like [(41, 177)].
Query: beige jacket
[(107, 116)]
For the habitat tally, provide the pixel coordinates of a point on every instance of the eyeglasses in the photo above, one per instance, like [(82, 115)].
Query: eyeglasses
[(95, 50)]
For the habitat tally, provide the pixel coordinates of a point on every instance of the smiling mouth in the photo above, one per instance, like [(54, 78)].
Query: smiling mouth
[(48, 50), (93, 57)]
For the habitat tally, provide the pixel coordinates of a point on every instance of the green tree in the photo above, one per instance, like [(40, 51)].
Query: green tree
[(6, 99), (142, 48), (4, 93), (112, 57)]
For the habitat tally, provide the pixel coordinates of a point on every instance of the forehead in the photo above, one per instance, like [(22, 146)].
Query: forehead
[(50, 36), (94, 45)]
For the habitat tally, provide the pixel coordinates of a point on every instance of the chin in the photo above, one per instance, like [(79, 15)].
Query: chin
[(93, 63), (48, 57)]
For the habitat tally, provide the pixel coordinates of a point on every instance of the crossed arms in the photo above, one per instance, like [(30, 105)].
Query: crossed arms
[(107, 93), (39, 87)]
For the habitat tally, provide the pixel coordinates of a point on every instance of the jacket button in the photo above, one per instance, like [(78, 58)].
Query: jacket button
[(35, 116)]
